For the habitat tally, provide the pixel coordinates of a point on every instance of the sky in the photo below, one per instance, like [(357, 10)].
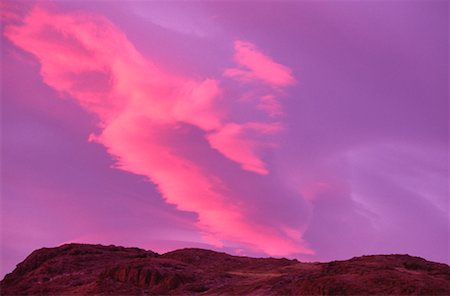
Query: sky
[(315, 130)]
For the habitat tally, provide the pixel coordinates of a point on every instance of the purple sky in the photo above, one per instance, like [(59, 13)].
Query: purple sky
[(315, 130)]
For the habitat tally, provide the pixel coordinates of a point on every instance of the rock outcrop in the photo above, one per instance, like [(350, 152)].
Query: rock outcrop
[(78, 269)]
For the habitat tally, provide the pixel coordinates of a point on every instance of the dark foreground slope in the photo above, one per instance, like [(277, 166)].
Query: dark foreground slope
[(95, 269)]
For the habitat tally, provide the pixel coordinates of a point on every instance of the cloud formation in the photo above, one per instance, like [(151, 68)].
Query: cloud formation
[(150, 118), (254, 65), (234, 141)]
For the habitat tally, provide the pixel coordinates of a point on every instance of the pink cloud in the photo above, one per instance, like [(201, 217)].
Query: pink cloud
[(235, 142), (141, 108), (254, 65), (271, 105)]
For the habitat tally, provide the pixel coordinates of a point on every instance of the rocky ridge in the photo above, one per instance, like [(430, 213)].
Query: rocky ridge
[(79, 269)]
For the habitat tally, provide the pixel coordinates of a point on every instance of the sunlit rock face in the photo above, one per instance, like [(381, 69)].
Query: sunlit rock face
[(76, 269)]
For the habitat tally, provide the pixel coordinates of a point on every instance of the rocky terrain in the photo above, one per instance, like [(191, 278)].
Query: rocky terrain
[(75, 269)]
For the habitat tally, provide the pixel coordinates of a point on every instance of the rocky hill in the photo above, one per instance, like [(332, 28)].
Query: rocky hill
[(75, 269)]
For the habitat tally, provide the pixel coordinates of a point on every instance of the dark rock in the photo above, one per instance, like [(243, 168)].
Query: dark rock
[(78, 269)]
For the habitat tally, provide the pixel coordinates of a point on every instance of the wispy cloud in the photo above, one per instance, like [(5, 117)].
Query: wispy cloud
[(146, 116), (255, 65)]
